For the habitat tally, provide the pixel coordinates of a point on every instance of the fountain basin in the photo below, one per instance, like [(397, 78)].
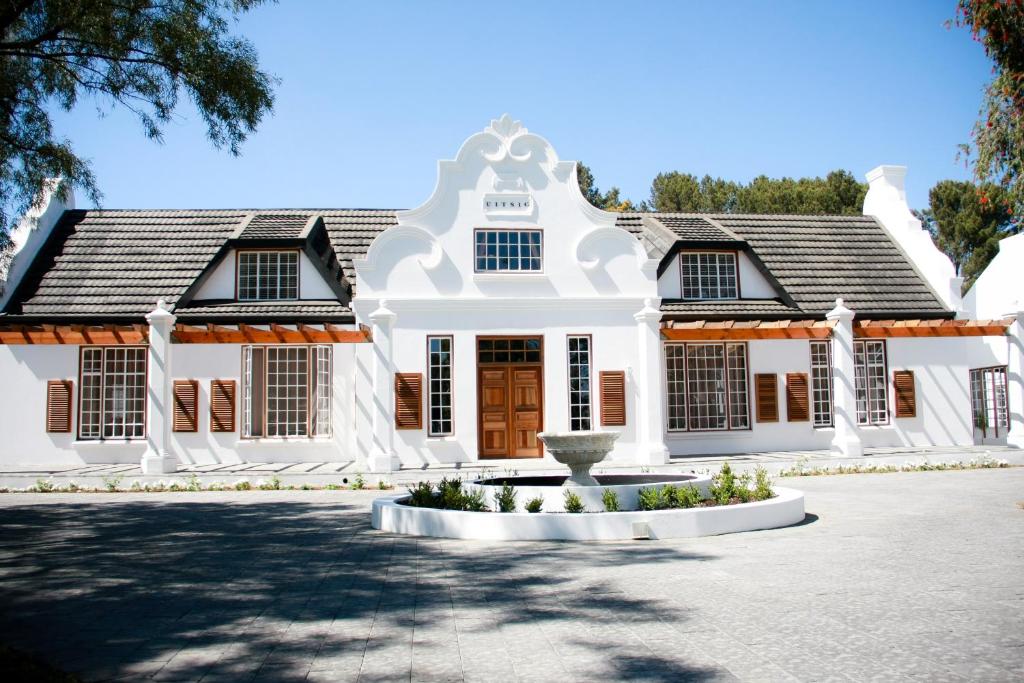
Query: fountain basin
[(785, 509), (579, 451)]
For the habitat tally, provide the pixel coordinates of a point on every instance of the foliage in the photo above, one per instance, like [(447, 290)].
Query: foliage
[(985, 463), (723, 485), (111, 484), (689, 496), (610, 500), (506, 498), (762, 484), (610, 200), (451, 493), (473, 501), (649, 498), (534, 504), (273, 485), (997, 151), (383, 485), (43, 486), (838, 193), (966, 222), (422, 495), (448, 496), (194, 483), (138, 55), (573, 503), (243, 485)]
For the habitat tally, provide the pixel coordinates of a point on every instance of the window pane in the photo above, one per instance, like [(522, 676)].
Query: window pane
[(268, 275), (508, 250), (821, 383), (705, 385), (675, 366), (579, 383), (870, 379), (440, 385), (739, 411), (89, 399), (709, 275), (287, 390)]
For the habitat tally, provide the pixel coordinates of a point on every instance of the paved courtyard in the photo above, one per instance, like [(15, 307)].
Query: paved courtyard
[(892, 577)]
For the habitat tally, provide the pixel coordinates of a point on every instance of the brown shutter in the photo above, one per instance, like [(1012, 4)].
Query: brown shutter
[(613, 398), (906, 395), (222, 405), (186, 405), (408, 400), (767, 388), (797, 406), (58, 405)]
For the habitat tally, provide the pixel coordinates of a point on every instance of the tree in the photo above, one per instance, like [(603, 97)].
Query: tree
[(137, 54), (998, 135), (838, 193), (967, 222), (610, 200)]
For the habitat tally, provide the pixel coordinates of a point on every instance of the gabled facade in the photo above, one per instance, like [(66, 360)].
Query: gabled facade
[(503, 306)]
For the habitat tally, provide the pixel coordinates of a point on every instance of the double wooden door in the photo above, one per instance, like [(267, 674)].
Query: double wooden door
[(511, 398)]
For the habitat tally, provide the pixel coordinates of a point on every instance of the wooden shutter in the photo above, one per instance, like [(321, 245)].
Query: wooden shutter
[(58, 405), (797, 404), (408, 400), (767, 388), (906, 395), (186, 405), (222, 405), (613, 398)]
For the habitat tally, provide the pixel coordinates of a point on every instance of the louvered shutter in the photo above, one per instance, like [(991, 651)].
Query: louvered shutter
[(186, 405), (797, 405), (222, 405), (58, 405), (408, 400), (906, 394), (767, 388), (613, 398)]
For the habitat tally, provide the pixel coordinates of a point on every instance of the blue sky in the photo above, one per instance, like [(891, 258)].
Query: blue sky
[(373, 93)]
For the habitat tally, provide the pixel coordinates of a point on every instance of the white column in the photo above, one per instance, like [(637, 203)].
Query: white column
[(159, 458), (846, 440), (382, 456), (650, 419), (1015, 378)]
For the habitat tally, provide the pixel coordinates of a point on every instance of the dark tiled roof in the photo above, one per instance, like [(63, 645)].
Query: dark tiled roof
[(745, 309), (275, 226), (818, 258), (695, 228), (271, 311)]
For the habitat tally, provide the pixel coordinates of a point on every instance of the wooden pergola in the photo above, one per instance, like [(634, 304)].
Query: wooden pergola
[(136, 334), (705, 330)]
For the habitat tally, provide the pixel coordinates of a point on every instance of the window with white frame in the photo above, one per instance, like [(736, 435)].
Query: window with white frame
[(440, 377), (821, 383), (268, 275), (509, 251), (870, 379), (286, 391), (112, 393), (579, 382), (707, 387), (708, 275), (989, 406)]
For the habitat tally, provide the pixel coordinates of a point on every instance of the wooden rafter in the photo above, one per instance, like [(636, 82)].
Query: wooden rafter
[(269, 334), (73, 334), (699, 330)]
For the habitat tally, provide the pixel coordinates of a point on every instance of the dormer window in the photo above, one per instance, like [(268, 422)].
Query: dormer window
[(268, 275), (708, 275), (509, 251)]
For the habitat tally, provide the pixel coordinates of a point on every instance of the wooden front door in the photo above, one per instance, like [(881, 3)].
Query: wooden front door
[(511, 396)]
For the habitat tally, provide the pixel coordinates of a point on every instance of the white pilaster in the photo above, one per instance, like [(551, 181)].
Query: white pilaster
[(1015, 379), (158, 458), (846, 440), (650, 419), (382, 456)]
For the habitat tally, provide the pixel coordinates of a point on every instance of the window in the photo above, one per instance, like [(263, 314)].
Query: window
[(440, 378), (112, 398), (870, 379), (286, 391), (708, 275), (509, 251), (268, 275), (707, 387), (989, 408), (821, 383), (579, 383)]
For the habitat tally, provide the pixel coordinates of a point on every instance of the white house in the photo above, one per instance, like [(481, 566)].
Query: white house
[(503, 306)]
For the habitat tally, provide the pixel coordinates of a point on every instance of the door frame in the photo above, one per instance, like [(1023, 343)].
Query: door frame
[(511, 409)]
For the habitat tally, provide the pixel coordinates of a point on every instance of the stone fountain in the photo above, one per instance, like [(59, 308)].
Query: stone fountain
[(579, 451)]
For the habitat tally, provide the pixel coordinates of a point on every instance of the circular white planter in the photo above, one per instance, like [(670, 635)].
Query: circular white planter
[(786, 508), (554, 495)]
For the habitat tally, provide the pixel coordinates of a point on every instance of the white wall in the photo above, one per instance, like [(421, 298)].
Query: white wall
[(999, 290)]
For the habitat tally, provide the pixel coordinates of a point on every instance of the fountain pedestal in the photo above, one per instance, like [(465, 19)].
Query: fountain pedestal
[(579, 451)]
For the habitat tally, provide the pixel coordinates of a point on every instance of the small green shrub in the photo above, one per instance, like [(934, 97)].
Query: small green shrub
[(610, 500), (383, 485), (333, 487), (43, 486), (506, 498), (648, 498), (451, 493), (273, 485), (194, 484), (723, 485), (359, 483), (573, 503), (243, 485), (422, 495), (112, 484), (689, 496), (762, 484), (534, 504), (473, 501)]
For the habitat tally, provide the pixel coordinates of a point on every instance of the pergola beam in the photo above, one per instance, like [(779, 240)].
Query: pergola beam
[(738, 330)]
